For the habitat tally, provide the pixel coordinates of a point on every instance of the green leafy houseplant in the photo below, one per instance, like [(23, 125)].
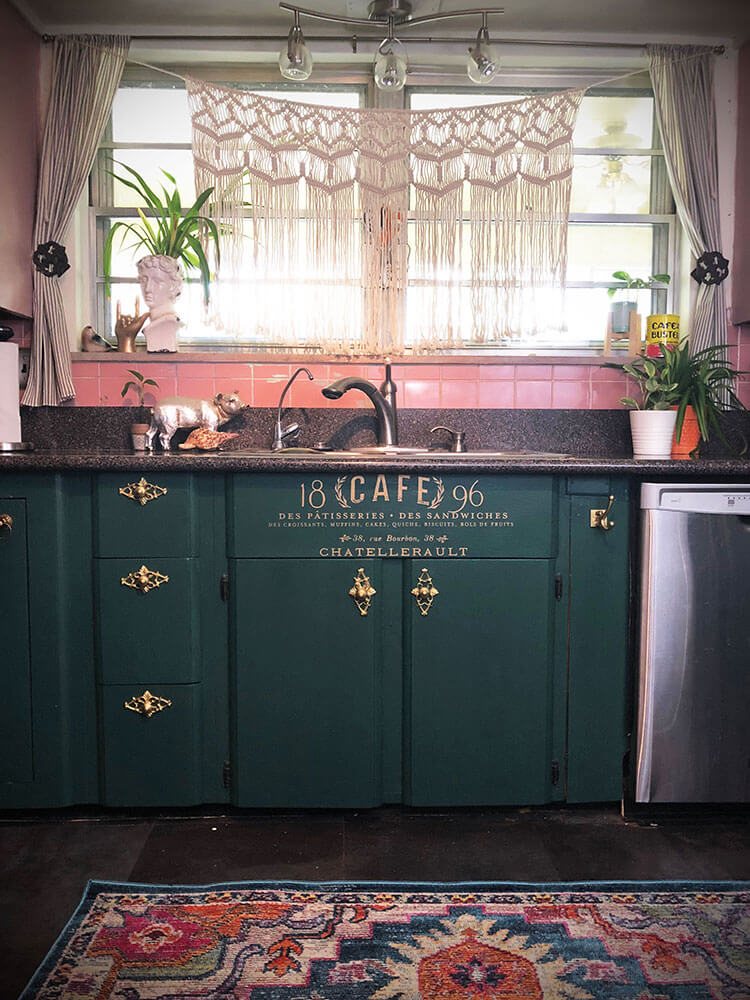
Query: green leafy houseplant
[(138, 386), (637, 283), (171, 231), (656, 379), (675, 378)]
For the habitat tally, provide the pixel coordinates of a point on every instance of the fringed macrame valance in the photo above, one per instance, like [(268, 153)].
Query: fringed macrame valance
[(328, 214)]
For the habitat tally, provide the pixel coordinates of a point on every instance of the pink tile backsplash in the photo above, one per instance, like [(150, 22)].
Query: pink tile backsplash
[(420, 385), (533, 395), (571, 395), (497, 395), (461, 395)]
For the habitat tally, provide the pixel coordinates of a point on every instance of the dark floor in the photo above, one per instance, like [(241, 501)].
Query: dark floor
[(44, 865)]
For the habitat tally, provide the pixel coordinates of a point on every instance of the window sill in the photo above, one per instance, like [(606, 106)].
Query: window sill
[(185, 357)]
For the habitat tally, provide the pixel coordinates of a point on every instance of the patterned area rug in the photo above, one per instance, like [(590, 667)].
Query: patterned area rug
[(299, 941)]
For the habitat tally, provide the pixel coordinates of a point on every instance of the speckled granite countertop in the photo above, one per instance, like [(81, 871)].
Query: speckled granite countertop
[(48, 461), (598, 441)]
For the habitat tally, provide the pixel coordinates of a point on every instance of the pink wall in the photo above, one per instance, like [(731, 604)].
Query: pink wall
[(740, 265), (19, 133)]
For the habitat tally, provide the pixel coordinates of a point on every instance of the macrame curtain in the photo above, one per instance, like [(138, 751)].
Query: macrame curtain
[(315, 204), (85, 75)]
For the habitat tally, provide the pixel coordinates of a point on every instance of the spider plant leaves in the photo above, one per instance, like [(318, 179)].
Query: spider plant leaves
[(167, 229)]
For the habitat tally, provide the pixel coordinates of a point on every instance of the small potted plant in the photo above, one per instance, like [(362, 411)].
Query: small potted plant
[(654, 415), (139, 430), (622, 308)]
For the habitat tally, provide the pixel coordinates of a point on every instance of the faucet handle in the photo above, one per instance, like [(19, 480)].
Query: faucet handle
[(456, 437)]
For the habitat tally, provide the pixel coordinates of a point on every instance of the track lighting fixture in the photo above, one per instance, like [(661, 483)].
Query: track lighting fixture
[(390, 67), (483, 62), (295, 61)]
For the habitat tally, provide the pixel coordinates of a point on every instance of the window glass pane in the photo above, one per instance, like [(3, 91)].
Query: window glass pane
[(149, 163), (150, 114), (420, 100), (594, 252), (624, 122), (604, 185)]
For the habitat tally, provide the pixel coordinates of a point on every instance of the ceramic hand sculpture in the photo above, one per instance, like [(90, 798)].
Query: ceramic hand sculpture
[(128, 327), (161, 279)]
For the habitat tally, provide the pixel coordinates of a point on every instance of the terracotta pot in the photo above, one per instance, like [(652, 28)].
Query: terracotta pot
[(652, 432), (690, 437)]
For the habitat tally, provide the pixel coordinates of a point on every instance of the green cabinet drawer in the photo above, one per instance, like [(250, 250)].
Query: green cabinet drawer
[(151, 761), (153, 633), (154, 514)]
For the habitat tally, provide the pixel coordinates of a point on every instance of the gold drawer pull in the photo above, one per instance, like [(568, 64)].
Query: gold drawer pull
[(148, 704), (6, 523), (362, 592), (142, 491), (144, 579), (424, 592)]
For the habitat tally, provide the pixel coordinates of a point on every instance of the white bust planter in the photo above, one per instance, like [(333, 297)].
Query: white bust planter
[(161, 279), (652, 432)]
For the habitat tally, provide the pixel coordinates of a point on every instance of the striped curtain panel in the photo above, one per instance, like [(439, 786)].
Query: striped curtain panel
[(86, 72), (682, 78)]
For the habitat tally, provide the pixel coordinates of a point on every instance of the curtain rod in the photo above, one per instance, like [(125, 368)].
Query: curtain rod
[(355, 39)]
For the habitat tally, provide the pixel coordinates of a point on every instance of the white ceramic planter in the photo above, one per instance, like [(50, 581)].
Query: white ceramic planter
[(652, 432)]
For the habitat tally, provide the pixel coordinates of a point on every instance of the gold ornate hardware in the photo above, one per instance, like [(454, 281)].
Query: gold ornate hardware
[(599, 518), (425, 592), (144, 579), (142, 491), (148, 704), (362, 592), (6, 523)]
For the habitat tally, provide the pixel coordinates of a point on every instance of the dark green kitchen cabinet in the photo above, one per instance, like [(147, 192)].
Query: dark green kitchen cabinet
[(479, 684), (453, 706), (161, 628), (306, 669), (599, 640), (48, 718), (188, 638), (16, 762)]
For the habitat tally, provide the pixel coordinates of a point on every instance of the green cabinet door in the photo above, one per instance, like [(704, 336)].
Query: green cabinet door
[(306, 713), (599, 645), (16, 762), (479, 682)]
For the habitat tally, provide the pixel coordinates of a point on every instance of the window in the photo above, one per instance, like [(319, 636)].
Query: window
[(622, 213)]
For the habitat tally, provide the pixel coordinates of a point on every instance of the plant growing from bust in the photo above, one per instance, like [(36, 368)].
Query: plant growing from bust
[(170, 232), (138, 387)]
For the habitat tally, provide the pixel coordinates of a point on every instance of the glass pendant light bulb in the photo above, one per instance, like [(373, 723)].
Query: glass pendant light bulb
[(483, 63), (295, 61), (390, 66)]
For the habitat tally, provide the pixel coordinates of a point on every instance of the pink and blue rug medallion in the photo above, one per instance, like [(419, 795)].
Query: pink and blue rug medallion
[(398, 941)]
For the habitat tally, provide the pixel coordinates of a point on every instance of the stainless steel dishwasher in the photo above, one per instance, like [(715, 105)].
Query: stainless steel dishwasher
[(694, 659)]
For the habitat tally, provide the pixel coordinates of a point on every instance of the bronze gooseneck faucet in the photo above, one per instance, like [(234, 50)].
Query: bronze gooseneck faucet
[(383, 399)]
